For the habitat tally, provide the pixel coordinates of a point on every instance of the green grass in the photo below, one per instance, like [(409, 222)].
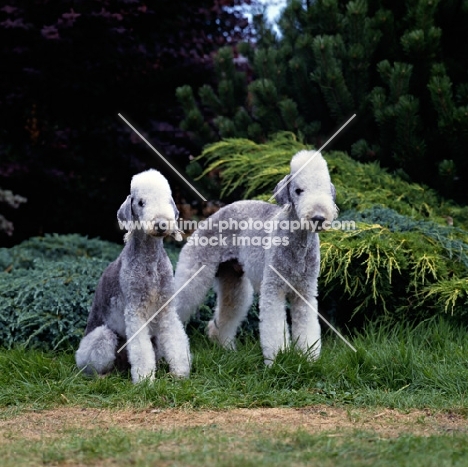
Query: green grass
[(405, 368), (398, 367), (207, 446)]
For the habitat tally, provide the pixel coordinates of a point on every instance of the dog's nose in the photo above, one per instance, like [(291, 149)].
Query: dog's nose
[(317, 222), (160, 229), (161, 226), (318, 219)]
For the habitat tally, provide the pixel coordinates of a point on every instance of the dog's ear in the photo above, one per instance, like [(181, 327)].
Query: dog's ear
[(124, 213), (176, 211), (176, 232), (333, 191), (281, 191)]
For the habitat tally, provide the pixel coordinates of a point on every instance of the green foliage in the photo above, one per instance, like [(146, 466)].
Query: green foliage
[(392, 271), (404, 259), (402, 70), (46, 306), (46, 287), (242, 160), (56, 247)]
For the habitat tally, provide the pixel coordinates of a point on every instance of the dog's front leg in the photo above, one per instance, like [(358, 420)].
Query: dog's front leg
[(305, 326), (139, 346), (273, 327), (173, 342)]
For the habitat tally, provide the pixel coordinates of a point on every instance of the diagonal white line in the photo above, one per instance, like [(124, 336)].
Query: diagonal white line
[(310, 160), (157, 312), (162, 157), (314, 309)]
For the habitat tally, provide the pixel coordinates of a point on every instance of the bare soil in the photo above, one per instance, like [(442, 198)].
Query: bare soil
[(387, 423)]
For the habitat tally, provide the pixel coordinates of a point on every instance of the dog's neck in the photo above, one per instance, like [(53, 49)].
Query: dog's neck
[(305, 238), (144, 243)]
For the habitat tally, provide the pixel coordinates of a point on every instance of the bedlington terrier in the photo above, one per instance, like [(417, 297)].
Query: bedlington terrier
[(134, 287), (242, 243)]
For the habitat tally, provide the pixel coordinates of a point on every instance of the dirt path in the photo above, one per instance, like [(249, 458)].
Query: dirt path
[(385, 422)]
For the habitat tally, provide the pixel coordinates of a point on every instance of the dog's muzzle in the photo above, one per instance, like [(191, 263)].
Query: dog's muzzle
[(161, 228), (164, 228)]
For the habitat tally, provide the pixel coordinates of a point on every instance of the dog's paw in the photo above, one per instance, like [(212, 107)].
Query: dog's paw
[(213, 333), (181, 368), (180, 374), (140, 376)]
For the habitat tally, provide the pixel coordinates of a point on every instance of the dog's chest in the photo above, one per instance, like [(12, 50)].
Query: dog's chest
[(148, 285), (152, 281), (300, 261)]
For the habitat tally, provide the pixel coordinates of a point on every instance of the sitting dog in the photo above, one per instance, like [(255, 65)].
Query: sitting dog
[(138, 284)]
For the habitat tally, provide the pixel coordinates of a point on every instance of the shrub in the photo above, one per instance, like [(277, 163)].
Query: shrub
[(55, 247), (46, 305), (46, 287)]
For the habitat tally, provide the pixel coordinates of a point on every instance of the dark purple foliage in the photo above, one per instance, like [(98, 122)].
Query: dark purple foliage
[(67, 68)]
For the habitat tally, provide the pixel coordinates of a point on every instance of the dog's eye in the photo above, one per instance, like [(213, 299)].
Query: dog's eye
[(299, 191), (141, 203)]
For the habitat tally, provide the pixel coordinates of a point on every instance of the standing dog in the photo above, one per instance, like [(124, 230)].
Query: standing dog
[(246, 244)]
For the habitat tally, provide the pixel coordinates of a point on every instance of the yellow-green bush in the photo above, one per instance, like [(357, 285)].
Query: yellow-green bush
[(404, 259)]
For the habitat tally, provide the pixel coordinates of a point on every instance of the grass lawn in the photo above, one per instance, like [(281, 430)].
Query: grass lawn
[(401, 399)]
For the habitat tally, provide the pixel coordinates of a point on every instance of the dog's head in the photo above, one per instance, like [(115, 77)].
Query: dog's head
[(150, 206), (308, 189)]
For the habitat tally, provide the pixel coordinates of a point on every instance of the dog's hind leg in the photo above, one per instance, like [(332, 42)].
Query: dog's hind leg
[(97, 351), (234, 298), (190, 297)]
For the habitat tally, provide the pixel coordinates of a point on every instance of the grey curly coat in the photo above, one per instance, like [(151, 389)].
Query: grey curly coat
[(238, 269), (134, 287)]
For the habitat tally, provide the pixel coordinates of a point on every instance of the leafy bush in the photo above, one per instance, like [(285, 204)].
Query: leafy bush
[(46, 287), (403, 260), (47, 305), (55, 247), (254, 169)]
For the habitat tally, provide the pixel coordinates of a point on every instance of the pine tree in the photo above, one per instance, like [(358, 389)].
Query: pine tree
[(400, 67)]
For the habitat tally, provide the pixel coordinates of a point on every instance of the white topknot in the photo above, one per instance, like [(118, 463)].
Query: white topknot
[(149, 180), (303, 157)]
